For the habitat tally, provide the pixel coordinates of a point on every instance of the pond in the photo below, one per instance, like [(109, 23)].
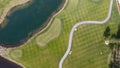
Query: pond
[(23, 22), (7, 64)]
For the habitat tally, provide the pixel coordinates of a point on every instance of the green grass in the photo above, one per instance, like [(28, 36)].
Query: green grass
[(71, 6), (88, 40), (3, 4), (50, 34)]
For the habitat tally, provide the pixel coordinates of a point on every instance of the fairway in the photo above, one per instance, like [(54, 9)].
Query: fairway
[(71, 6), (88, 48)]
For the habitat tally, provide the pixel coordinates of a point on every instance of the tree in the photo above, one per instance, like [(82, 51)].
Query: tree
[(118, 32), (107, 32)]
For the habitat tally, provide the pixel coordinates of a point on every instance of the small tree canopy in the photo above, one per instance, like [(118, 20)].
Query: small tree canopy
[(118, 32), (107, 32)]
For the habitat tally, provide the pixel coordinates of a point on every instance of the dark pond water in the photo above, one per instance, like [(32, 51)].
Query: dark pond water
[(7, 64), (23, 22)]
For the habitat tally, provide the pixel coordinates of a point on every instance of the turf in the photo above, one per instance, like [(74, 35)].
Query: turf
[(50, 34), (3, 4), (88, 40)]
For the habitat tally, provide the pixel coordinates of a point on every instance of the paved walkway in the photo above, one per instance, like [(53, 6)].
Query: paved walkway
[(81, 23)]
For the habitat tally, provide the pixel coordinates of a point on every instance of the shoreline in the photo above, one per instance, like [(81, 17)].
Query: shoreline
[(34, 34), (48, 21), (39, 30), (7, 63), (9, 7), (4, 54)]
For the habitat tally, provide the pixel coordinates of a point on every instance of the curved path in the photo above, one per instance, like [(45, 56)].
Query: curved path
[(81, 23)]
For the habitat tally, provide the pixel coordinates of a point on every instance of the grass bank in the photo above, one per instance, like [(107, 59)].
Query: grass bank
[(7, 5)]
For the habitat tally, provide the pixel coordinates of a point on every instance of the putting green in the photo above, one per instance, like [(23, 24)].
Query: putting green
[(16, 54), (52, 32)]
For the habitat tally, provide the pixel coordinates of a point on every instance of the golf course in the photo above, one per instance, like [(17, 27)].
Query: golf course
[(46, 49)]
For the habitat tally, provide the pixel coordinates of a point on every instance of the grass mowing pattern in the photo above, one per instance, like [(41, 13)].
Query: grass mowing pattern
[(88, 41)]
